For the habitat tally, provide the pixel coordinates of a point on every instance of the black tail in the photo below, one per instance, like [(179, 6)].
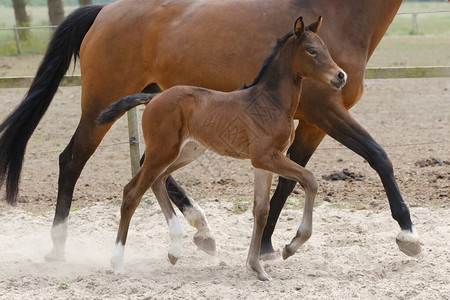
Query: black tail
[(18, 127), (116, 109)]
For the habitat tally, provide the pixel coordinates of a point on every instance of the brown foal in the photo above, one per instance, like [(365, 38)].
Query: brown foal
[(181, 122)]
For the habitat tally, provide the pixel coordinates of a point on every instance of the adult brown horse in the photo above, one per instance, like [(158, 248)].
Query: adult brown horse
[(132, 45)]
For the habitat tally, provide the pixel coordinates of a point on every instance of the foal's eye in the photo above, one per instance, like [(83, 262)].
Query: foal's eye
[(312, 52)]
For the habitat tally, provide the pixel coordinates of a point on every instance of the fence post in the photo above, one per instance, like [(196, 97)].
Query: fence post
[(133, 134), (415, 24), (16, 33)]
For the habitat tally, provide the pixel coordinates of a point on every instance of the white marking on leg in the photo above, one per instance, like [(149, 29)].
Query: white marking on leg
[(203, 238), (59, 237), (196, 216), (176, 235), (408, 236), (117, 258)]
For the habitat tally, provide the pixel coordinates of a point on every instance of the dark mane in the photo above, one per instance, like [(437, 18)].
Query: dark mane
[(268, 60)]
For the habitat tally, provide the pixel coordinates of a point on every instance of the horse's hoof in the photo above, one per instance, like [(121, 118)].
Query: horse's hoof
[(117, 267), (206, 244), (408, 242), (287, 253), (173, 259), (53, 257)]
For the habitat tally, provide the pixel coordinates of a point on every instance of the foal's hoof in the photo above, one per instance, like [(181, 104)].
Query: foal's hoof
[(287, 252), (260, 274), (173, 259), (263, 276), (408, 242), (206, 243)]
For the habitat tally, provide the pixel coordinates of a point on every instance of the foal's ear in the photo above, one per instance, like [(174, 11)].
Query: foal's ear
[(299, 26), (314, 27)]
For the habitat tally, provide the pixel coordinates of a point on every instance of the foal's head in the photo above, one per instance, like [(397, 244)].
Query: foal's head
[(312, 59)]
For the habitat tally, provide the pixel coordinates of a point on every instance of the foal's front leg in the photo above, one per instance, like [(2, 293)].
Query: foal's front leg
[(276, 162), (263, 180)]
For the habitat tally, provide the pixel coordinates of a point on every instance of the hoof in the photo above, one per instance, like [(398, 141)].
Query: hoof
[(287, 253), (117, 266), (263, 276), (259, 273), (173, 260), (53, 257), (206, 244), (408, 242)]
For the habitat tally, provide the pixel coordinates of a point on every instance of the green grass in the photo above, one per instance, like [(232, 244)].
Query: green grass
[(294, 203), (429, 24), (398, 48), (394, 51), (38, 38), (241, 205), (38, 15)]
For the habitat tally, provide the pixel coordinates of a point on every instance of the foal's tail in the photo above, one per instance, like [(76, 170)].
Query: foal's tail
[(116, 109), (17, 128)]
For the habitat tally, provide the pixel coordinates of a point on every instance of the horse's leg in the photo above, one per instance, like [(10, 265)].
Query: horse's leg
[(97, 94), (263, 180), (307, 138), (71, 162), (276, 162), (340, 125)]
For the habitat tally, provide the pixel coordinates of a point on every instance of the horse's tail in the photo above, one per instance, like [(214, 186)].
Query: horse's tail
[(17, 128), (116, 109)]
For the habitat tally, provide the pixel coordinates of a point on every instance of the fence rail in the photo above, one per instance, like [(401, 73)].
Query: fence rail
[(371, 73)]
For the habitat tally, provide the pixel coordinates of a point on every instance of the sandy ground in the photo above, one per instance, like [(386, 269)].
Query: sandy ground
[(352, 253)]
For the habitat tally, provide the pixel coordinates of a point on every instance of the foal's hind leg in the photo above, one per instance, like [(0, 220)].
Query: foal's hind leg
[(132, 195), (175, 227), (193, 213)]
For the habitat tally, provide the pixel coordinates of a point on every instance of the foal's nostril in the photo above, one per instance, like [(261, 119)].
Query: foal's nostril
[(341, 76)]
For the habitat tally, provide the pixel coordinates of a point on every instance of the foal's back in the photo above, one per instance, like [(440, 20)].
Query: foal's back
[(215, 119)]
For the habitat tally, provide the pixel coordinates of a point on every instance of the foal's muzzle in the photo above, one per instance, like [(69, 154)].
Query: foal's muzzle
[(340, 80)]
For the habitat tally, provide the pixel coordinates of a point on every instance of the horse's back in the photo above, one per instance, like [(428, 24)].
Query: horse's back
[(217, 44)]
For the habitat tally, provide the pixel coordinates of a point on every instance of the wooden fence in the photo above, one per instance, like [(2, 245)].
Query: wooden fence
[(133, 133), (371, 73)]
